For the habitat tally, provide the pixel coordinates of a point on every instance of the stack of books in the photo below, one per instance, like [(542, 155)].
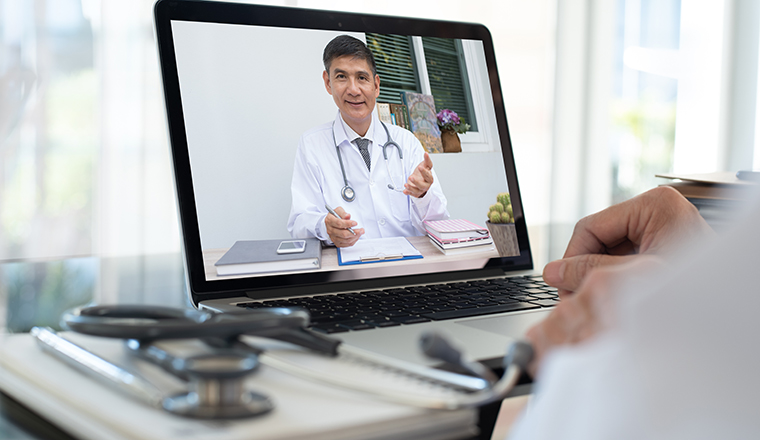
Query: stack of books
[(458, 236), (716, 195)]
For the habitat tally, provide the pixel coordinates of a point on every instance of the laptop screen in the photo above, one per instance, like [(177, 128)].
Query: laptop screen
[(263, 148)]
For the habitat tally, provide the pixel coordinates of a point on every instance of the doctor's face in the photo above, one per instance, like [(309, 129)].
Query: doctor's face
[(354, 90)]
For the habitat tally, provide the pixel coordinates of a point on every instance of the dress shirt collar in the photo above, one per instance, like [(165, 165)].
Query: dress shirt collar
[(350, 135)]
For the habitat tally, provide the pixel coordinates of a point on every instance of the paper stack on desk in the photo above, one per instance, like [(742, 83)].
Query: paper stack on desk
[(457, 236), (87, 409)]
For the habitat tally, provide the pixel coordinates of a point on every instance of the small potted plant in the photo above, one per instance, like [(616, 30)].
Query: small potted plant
[(451, 126), (501, 226)]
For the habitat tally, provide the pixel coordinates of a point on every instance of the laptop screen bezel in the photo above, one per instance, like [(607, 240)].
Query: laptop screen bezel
[(200, 288)]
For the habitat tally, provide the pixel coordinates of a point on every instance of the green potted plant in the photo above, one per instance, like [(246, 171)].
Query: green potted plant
[(451, 126), (501, 226)]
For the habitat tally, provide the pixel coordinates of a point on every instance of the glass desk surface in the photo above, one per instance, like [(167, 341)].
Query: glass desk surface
[(36, 293)]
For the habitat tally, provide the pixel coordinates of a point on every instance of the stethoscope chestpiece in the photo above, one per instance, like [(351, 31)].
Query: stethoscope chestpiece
[(348, 193), (217, 387)]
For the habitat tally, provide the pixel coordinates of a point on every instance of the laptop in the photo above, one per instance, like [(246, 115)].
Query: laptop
[(243, 82)]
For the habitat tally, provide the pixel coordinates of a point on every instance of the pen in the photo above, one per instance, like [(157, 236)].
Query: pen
[(97, 367), (330, 210)]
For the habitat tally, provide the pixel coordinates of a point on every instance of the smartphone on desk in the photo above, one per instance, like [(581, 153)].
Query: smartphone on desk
[(291, 247)]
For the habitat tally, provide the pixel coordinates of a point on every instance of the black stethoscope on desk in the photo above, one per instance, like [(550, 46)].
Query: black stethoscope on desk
[(216, 389), (348, 192)]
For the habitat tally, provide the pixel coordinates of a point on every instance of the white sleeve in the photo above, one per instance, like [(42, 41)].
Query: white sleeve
[(307, 212)]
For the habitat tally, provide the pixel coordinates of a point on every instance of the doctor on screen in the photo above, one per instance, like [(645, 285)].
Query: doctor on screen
[(377, 177)]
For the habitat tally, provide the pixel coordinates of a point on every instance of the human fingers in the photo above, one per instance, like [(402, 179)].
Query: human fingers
[(427, 162), (343, 223), (342, 213), (568, 274), (333, 225), (654, 221), (416, 185), (347, 239), (559, 328), (576, 318), (340, 235), (425, 169), (590, 310)]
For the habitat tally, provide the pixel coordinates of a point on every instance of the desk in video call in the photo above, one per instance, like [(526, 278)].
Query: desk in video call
[(429, 252)]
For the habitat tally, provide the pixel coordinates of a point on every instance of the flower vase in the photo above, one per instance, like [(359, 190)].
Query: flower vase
[(451, 142)]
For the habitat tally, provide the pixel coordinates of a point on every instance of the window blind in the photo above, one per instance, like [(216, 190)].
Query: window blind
[(448, 77), (394, 56)]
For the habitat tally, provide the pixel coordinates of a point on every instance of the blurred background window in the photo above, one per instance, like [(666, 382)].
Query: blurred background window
[(85, 167), (645, 88), (600, 95)]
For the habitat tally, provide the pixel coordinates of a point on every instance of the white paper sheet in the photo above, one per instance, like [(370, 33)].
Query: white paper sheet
[(374, 249)]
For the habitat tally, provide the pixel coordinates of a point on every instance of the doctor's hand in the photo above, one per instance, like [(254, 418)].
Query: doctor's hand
[(654, 223), (337, 228), (420, 180), (587, 312)]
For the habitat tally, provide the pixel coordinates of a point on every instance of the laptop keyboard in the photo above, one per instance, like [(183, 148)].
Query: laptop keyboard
[(365, 310)]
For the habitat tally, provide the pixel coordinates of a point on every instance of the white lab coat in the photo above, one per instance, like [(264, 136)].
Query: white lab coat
[(317, 180), (681, 361)]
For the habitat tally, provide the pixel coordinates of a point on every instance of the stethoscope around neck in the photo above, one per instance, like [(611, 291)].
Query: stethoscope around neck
[(348, 192)]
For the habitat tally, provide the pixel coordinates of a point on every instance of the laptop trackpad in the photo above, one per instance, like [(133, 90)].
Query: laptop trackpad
[(512, 325)]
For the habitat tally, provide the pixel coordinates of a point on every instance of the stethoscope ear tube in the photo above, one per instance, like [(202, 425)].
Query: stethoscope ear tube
[(520, 353), (518, 357), (155, 322)]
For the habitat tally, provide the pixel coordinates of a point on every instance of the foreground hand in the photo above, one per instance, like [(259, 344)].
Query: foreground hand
[(337, 228), (587, 312), (655, 222), (419, 182)]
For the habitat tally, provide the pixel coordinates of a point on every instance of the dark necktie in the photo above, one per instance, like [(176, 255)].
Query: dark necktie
[(362, 144)]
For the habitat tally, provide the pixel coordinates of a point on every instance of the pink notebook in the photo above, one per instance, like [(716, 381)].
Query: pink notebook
[(454, 229)]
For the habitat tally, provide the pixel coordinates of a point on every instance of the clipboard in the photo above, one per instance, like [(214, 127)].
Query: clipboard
[(377, 250)]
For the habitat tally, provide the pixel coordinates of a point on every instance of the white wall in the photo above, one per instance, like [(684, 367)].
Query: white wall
[(242, 157), (242, 152)]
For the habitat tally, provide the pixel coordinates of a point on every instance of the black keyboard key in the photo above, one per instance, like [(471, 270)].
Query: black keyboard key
[(317, 319), (484, 303), (543, 295), (411, 319), (534, 291), (395, 313), (329, 328), (545, 302), (356, 325), (462, 313), (371, 316), (464, 305), (382, 324), (250, 305)]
